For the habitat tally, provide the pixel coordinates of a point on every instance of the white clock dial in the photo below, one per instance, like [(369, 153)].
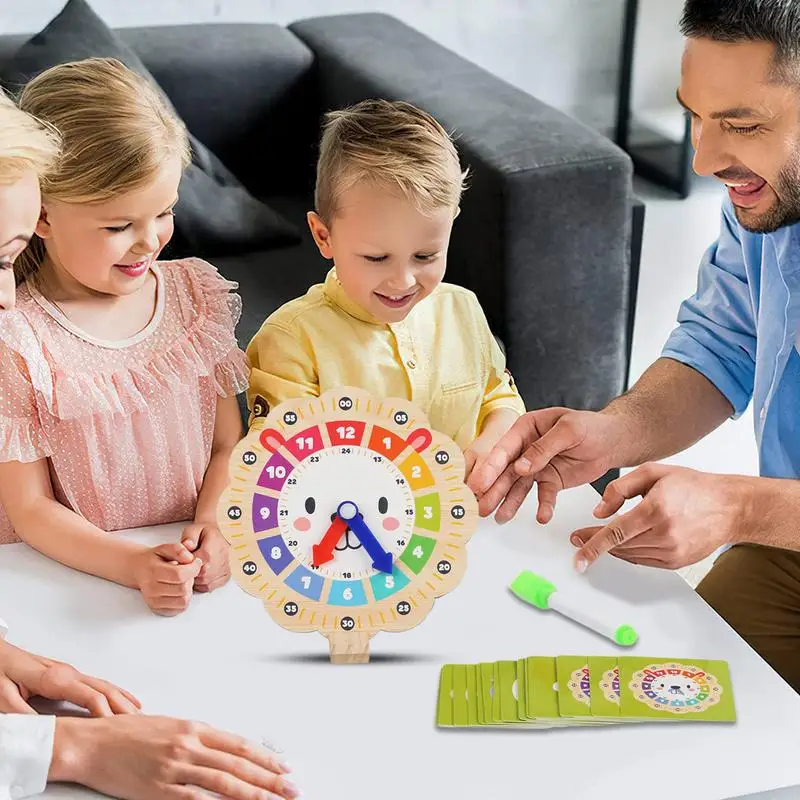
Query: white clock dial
[(321, 483)]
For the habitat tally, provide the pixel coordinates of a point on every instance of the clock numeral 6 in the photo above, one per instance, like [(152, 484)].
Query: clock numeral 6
[(234, 512), (290, 418), (442, 457), (404, 607), (347, 623), (401, 417), (249, 568), (249, 458), (347, 594), (290, 609), (458, 512), (345, 404), (444, 567)]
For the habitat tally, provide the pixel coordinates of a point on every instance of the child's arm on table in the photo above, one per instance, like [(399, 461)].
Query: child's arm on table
[(203, 536), (163, 574), (501, 405)]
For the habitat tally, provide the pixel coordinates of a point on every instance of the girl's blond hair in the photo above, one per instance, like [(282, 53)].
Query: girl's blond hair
[(25, 143), (116, 131)]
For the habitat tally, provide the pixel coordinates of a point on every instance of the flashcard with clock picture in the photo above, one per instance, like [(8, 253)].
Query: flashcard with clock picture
[(347, 515)]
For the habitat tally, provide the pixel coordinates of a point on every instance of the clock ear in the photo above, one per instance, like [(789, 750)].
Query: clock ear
[(420, 439), (271, 440)]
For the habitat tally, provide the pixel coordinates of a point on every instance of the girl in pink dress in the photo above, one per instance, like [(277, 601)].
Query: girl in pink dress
[(118, 373)]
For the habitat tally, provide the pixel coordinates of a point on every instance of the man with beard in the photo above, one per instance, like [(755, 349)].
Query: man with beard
[(736, 341)]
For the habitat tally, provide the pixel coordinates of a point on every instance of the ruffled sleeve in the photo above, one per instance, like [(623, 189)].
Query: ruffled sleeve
[(22, 368), (211, 309)]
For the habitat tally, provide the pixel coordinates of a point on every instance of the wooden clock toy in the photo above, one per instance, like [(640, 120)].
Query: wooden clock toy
[(347, 515)]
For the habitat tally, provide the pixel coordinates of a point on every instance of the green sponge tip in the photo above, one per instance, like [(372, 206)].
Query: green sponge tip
[(625, 635), (533, 589)]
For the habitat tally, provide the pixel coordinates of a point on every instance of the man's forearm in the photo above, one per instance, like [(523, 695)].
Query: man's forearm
[(671, 407), (770, 510)]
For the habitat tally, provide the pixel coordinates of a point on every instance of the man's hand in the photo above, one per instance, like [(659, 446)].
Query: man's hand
[(209, 545), (683, 517), (156, 758), (24, 675), (165, 575), (556, 448)]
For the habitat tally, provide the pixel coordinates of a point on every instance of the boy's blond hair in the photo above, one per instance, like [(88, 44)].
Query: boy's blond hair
[(25, 143), (116, 131), (392, 144)]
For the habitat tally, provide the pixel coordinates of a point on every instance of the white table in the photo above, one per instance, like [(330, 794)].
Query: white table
[(367, 732)]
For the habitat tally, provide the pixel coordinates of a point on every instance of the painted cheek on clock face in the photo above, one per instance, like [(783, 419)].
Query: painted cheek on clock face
[(389, 523), (303, 524)]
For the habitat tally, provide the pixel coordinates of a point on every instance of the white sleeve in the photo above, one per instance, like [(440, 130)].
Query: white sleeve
[(3, 628), (26, 750)]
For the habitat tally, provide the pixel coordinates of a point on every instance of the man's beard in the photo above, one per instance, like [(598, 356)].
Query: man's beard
[(786, 208)]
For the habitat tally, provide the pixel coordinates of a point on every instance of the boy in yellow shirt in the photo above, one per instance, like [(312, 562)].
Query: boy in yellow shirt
[(389, 184)]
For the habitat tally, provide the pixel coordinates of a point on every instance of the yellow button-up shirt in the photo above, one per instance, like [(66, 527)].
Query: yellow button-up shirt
[(443, 357)]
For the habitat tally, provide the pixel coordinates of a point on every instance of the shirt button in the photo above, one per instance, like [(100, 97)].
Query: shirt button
[(762, 414), (411, 364)]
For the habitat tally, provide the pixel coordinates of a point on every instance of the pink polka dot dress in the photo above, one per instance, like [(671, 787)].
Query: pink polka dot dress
[(126, 426)]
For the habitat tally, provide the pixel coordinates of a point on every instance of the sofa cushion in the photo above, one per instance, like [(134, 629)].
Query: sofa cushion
[(215, 213)]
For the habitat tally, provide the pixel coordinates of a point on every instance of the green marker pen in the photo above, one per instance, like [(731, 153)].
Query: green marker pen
[(539, 592)]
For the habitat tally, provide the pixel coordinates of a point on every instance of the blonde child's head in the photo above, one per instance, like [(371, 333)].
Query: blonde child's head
[(27, 150), (389, 184), (107, 202)]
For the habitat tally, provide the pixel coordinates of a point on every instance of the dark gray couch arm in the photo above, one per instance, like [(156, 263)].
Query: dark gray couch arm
[(544, 232)]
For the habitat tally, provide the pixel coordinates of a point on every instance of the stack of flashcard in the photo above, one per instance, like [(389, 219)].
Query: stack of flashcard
[(547, 692)]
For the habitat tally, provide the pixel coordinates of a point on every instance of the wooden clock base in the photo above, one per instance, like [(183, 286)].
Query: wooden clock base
[(349, 648)]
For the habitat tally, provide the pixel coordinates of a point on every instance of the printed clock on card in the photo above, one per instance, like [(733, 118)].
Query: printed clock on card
[(347, 515)]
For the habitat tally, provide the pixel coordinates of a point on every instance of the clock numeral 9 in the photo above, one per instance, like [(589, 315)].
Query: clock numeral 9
[(290, 609), (442, 457), (249, 458), (401, 417), (403, 608), (347, 623), (290, 418), (249, 568), (345, 404), (234, 512), (458, 512), (264, 513), (444, 567)]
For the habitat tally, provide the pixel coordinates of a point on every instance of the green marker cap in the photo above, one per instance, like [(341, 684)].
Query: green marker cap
[(625, 635), (533, 589)]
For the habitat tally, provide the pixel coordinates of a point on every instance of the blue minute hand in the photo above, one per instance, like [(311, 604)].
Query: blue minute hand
[(381, 560)]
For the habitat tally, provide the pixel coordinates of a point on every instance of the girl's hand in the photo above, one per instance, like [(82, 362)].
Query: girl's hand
[(24, 675), (165, 576), (208, 544)]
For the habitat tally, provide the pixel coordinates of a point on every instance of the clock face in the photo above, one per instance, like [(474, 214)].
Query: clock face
[(321, 484), (347, 513)]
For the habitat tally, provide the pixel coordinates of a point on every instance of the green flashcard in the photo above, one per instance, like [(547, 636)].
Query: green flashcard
[(506, 676), (574, 689), (472, 694), (460, 710), (675, 689), (479, 694), (604, 680), (444, 705), (542, 696), (486, 672), (521, 691)]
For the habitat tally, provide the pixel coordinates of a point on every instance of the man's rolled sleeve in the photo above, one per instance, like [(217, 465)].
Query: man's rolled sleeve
[(716, 333)]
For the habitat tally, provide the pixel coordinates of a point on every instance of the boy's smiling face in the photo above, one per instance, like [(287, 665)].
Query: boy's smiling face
[(388, 255)]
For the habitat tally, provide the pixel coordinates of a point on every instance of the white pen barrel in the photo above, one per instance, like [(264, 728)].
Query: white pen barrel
[(560, 603)]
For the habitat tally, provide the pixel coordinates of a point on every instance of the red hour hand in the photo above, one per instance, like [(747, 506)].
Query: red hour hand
[(323, 552)]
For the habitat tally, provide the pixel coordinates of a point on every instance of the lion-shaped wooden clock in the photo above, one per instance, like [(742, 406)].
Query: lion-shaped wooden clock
[(346, 514)]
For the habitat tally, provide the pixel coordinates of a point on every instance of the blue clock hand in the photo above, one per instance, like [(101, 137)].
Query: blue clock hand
[(381, 560)]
